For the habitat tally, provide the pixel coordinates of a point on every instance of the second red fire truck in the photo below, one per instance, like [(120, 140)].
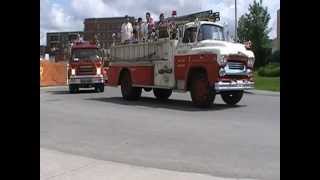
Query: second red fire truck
[(85, 68)]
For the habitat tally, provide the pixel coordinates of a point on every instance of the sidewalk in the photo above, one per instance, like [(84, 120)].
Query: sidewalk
[(56, 165)]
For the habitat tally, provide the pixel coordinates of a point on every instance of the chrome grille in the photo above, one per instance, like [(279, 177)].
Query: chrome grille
[(86, 70), (236, 65)]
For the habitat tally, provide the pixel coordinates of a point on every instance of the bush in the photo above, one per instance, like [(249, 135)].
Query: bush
[(270, 70)]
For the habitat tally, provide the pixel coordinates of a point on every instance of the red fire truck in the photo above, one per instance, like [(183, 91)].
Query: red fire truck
[(85, 68), (198, 60)]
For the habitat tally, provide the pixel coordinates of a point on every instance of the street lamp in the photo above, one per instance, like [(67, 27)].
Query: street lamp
[(235, 20)]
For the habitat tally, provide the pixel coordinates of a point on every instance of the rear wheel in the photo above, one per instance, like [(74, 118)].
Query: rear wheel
[(162, 94), (201, 94), (232, 98), (73, 88), (128, 92)]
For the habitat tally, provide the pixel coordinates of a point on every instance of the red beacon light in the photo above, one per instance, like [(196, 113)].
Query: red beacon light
[(174, 13)]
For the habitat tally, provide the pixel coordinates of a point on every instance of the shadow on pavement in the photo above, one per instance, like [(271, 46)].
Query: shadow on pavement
[(67, 92), (175, 104)]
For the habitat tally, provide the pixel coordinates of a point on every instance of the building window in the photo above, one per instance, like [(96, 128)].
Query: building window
[(72, 37), (54, 38)]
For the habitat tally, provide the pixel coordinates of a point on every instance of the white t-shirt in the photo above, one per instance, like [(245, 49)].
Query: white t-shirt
[(126, 31), (144, 30)]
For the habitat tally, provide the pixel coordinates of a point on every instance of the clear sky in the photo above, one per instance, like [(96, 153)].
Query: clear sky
[(68, 15)]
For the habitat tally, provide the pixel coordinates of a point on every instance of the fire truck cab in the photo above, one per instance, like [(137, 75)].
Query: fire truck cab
[(85, 67), (200, 61)]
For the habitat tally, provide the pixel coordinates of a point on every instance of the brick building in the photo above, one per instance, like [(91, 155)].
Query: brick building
[(103, 28), (58, 42)]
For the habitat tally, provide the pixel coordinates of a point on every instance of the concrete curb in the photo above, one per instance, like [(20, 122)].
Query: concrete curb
[(55, 165)]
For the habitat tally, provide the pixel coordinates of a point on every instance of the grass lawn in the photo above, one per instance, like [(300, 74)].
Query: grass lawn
[(267, 83)]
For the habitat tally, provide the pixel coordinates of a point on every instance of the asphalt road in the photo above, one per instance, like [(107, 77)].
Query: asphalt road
[(236, 142)]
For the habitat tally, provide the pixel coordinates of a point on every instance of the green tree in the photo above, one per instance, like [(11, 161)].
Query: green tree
[(253, 26)]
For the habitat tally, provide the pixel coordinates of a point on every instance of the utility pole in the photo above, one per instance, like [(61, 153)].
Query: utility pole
[(235, 20)]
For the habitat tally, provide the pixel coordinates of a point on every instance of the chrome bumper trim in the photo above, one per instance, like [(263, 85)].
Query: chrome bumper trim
[(87, 79), (233, 85)]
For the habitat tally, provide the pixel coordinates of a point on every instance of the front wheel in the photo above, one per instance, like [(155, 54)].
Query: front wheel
[(99, 88), (201, 94), (232, 98), (162, 94), (73, 88)]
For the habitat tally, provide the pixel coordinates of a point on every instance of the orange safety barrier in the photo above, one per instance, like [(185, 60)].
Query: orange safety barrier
[(53, 74)]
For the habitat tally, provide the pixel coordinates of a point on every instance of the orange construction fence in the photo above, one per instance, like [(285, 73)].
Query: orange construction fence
[(53, 74)]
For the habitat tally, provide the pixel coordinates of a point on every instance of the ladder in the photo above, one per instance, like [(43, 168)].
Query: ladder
[(201, 16)]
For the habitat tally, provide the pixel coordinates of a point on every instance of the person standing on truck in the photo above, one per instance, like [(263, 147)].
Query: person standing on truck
[(150, 24), (141, 28), (135, 31), (126, 31), (162, 27), (173, 27)]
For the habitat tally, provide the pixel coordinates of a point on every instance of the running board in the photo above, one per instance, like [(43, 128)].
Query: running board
[(159, 87)]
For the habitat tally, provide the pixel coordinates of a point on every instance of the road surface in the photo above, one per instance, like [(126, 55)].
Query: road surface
[(233, 142)]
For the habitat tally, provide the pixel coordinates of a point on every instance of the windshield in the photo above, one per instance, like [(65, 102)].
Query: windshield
[(85, 54), (190, 35), (210, 32)]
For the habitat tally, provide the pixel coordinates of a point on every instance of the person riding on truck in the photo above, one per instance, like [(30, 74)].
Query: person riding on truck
[(126, 31), (150, 24), (141, 29), (162, 27)]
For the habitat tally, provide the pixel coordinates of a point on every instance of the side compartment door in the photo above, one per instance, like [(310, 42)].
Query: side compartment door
[(164, 68)]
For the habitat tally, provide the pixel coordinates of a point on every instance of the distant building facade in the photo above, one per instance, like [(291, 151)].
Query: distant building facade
[(103, 28), (42, 50), (58, 42)]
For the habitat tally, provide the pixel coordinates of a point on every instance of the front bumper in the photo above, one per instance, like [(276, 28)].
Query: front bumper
[(89, 79), (233, 85)]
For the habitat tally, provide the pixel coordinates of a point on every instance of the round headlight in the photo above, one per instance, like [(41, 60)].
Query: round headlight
[(73, 72), (98, 70), (222, 72), (249, 72), (251, 62), (222, 60)]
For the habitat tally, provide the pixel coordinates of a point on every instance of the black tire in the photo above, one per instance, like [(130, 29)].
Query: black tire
[(99, 88), (73, 88), (232, 98), (147, 89), (201, 94), (128, 92), (162, 94)]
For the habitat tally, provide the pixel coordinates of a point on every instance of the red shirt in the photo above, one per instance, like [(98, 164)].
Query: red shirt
[(151, 25)]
